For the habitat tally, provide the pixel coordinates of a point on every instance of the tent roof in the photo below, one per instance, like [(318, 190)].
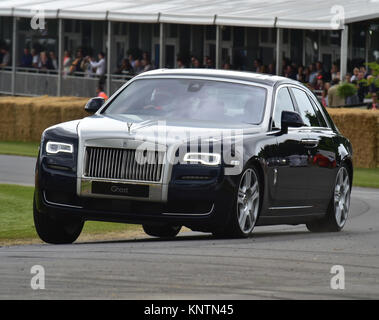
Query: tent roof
[(296, 14)]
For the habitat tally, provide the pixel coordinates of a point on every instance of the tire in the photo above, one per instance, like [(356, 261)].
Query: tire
[(339, 205), (246, 208), (161, 231), (56, 231)]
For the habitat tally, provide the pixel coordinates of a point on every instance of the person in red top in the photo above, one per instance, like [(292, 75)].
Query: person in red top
[(100, 92)]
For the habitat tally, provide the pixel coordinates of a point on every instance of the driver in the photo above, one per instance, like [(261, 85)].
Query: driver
[(160, 98)]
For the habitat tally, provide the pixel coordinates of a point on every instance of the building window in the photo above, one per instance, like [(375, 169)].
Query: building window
[(285, 36), (325, 37), (116, 28), (68, 26), (264, 35), (268, 35), (172, 30), (210, 33), (156, 30), (124, 28), (239, 36), (335, 37), (226, 33), (77, 26), (120, 28)]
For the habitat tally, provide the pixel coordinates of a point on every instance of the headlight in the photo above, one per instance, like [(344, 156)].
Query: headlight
[(56, 147), (210, 159)]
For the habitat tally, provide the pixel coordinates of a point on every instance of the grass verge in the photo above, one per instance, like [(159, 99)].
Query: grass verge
[(29, 149), (16, 220), (362, 177), (16, 214), (366, 177)]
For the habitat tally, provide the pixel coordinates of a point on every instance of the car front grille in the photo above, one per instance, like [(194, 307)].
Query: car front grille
[(123, 164)]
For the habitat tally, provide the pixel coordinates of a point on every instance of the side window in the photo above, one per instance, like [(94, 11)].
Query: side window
[(319, 114), (307, 112), (283, 103)]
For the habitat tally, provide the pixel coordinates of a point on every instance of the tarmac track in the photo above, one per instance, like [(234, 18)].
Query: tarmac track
[(281, 262)]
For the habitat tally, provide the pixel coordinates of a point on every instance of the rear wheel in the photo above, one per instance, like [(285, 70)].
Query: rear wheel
[(161, 231), (56, 231), (338, 209), (247, 205)]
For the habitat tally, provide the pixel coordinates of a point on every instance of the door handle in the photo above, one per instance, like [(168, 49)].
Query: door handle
[(310, 143)]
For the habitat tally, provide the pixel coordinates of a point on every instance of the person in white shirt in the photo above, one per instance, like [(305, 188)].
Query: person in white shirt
[(355, 75), (35, 60), (100, 66)]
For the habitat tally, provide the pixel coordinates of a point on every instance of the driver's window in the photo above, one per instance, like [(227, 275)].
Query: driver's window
[(283, 103), (307, 112)]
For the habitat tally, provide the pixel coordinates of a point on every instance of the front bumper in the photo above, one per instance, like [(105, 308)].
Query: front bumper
[(199, 204)]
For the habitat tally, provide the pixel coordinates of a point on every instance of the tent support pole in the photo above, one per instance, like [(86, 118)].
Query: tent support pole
[(344, 50), (279, 46), (303, 42), (367, 45), (14, 56), (218, 47), (60, 56), (162, 45), (109, 57), (319, 45)]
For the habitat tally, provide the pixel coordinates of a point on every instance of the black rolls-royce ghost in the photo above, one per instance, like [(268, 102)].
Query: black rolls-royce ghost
[(215, 151)]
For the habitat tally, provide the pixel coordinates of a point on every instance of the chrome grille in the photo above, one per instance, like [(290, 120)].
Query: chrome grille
[(123, 164)]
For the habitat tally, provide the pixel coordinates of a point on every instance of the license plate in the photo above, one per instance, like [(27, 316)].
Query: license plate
[(120, 189)]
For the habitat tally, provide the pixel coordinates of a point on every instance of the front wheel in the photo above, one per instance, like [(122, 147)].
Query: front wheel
[(56, 231), (161, 231), (339, 205), (246, 208)]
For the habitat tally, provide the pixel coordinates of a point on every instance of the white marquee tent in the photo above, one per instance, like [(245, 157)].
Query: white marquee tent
[(299, 14), (291, 14)]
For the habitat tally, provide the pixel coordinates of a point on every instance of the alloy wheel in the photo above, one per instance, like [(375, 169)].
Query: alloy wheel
[(248, 201), (342, 196)]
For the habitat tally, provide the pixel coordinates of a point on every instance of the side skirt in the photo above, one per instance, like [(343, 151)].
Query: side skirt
[(291, 220)]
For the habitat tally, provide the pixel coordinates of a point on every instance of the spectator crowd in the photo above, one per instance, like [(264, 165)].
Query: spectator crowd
[(315, 76), (79, 64)]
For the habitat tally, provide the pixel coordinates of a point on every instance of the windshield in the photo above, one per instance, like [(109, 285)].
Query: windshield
[(190, 99)]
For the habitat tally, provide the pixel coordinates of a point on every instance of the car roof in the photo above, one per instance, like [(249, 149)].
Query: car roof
[(270, 80)]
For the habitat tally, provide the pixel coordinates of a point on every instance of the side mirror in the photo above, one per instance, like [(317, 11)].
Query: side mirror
[(94, 104), (291, 119)]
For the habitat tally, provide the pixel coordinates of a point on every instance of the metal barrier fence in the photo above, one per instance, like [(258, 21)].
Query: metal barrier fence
[(118, 80), (35, 82), (79, 86), (6, 80)]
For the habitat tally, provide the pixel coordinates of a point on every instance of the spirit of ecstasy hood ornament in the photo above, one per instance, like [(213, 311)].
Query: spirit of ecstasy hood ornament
[(129, 124)]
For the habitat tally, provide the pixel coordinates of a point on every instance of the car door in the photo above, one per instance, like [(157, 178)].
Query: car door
[(291, 166), (320, 150), (323, 167)]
